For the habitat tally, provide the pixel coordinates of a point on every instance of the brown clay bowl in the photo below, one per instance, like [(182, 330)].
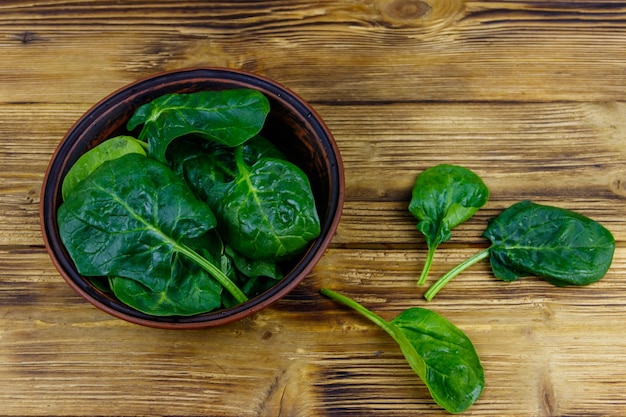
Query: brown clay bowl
[(292, 125)]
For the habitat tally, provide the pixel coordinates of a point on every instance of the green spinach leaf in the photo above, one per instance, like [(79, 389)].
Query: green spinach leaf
[(208, 167), (214, 174), (192, 290), (130, 218), (560, 245), (264, 204), (109, 149), (444, 196), (229, 117), (564, 247), (253, 277), (268, 212), (254, 268), (132, 225), (439, 353)]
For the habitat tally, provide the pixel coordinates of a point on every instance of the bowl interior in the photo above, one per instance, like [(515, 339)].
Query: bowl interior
[(292, 125)]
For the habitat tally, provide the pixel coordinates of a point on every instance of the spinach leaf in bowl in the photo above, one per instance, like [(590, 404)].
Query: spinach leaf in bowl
[(263, 203), (230, 117), (108, 150), (131, 218)]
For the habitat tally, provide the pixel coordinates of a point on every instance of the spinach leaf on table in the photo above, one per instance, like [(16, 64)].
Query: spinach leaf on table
[(229, 117), (564, 247), (131, 218), (443, 197), (437, 351)]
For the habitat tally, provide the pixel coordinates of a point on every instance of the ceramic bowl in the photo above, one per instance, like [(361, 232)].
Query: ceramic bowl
[(292, 125)]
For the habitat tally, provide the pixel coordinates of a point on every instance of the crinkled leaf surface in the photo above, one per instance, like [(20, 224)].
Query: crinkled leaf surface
[(268, 211), (560, 245), (229, 117), (442, 355), (209, 167), (129, 218), (264, 204), (88, 162), (443, 197), (205, 168)]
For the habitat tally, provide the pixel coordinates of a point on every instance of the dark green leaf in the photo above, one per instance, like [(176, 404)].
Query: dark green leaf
[(130, 218), (254, 268), (444, 196), (102, 284), (439, 353), (126, 219), (229, 117), (264, 204), (268, 211), (563, 246), (209, 167), (205, 168), (442, 355), (190, 291)]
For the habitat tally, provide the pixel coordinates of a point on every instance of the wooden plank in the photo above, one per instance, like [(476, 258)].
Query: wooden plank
[(377, 51), (29, 135), (528, 94), (59, 354)]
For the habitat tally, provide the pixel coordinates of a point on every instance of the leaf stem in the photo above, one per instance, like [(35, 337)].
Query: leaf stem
[(427, 264), (391, 329), (242, 167), (447, 277), (358, 307), (214, 271)]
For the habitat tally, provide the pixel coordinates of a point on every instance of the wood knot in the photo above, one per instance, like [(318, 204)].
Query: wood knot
[(407, 9), (618, 184), (548, 396), (429, 15), (26, 37)]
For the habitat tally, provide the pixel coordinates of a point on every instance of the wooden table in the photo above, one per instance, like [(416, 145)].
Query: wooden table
[(530, 95)]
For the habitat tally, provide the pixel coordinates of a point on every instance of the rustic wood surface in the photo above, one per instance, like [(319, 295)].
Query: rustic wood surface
[(529, 94)]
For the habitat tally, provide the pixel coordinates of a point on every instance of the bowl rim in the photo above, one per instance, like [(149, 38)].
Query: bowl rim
[(308, 260)]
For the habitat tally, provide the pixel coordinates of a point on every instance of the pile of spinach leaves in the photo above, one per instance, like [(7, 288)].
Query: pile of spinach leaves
[(194, 214)]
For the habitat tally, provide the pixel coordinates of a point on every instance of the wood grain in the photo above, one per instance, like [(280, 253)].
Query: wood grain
[(378, 50), (528, 94)]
